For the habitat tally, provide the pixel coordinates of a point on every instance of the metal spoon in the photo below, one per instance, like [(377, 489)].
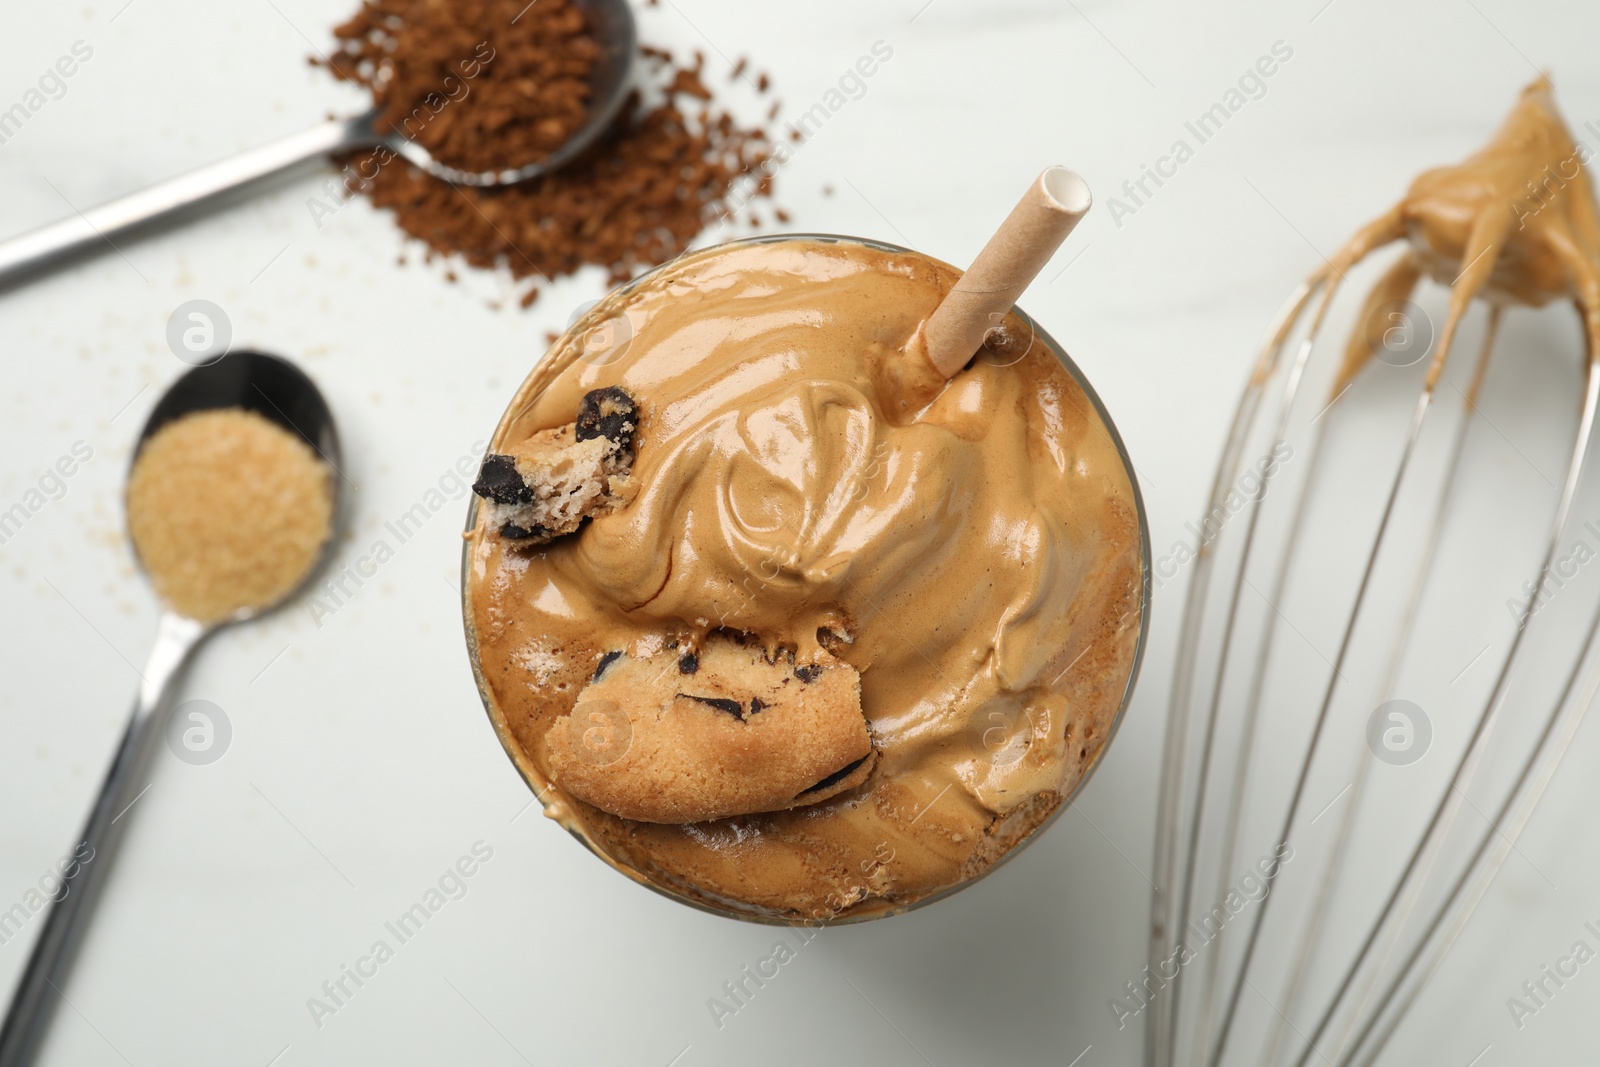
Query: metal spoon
[(610, 21), (279, 391)]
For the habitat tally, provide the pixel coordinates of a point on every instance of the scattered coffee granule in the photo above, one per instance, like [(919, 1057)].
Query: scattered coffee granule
[(481, 84), (663, 172), (228, 512), (687, 80)]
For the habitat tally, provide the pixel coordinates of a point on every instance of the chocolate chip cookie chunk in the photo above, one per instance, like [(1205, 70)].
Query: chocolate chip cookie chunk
[(690, 737), (546, 486)]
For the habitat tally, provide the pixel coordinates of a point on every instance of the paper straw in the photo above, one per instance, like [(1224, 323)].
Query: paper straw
[(1011, 260)]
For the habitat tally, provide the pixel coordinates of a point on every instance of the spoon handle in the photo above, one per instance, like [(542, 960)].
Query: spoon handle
[(103, 226), (125, 781)]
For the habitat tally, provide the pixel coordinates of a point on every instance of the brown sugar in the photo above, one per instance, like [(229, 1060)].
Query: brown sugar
[(228, 512)]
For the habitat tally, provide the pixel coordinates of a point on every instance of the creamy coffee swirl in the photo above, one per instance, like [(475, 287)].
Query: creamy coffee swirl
[(977, 561)]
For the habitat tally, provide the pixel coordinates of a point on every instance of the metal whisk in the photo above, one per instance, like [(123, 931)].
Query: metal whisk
[(1313, 869)]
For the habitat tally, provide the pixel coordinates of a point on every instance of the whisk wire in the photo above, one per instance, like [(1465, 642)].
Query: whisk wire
[(1569, 491), (1418, 417), (1279, 435), (1158, 1037), (1316, 917), (1450, 801)]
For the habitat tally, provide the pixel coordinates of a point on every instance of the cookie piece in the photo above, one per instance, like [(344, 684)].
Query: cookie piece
[(656, 740), (551, 482)]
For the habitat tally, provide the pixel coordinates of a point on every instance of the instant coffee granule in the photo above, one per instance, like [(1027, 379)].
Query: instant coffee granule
[(481, 84), (228, 512), (672, 163)]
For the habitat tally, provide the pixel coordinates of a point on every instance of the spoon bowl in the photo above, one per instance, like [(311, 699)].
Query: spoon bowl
[(611, 24), (281, 393)]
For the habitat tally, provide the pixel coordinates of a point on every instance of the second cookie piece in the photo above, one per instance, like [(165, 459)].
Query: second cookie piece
[(680, 738)]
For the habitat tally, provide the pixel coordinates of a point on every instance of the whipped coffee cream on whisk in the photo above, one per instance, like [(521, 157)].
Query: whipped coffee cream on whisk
[(1514, 223)]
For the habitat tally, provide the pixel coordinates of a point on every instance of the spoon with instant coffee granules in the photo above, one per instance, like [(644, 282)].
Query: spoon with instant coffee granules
[(401, 127), (233, 501)]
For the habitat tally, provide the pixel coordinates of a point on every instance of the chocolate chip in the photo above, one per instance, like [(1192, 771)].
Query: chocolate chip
[(808, 674), (732, 707), (688, 663), (609, 413), (605, 661), (512, 532), (499, 481), (835, 778), (756, 705)]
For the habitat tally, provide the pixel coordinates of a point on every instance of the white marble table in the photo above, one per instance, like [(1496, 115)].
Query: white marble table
[(361, 766)]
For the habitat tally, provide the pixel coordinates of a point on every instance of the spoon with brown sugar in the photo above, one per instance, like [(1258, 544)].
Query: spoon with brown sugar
[(233, 502)]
